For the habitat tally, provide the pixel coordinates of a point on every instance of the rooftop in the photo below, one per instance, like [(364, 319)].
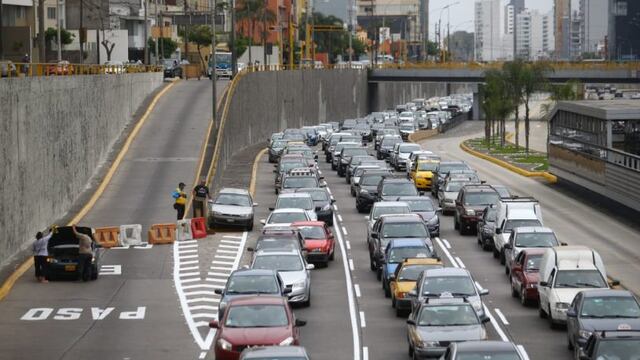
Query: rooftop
[(624, 109)]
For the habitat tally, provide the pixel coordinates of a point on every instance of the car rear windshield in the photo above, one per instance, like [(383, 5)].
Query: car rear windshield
[(455, 285), (610, 306), (384, 210), (278, 262), (399, 254), (281, 244), (542, 240), (318, 195), (454, 186), (512, 224), (444, 168), (408, 148), (353, 152), (411, 272), (389, 142), (404, 230), (488, 355), (253, 284), (420, 205), (299, 182), (448, 315), (626, 349), (233, 199), (579, 279), (295, 203), (286, 166), (371, 180), (427, 166), (248, 316), (481, 198), (312, 232), (286, 217), (402, 189)]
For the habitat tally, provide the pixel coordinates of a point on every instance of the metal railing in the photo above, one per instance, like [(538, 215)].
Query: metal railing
[(612, 156), (9, 70)]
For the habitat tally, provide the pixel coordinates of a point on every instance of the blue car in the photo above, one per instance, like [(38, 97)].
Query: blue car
[(399, 249)]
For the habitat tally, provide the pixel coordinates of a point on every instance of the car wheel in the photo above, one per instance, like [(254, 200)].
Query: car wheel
[(552, 323), (250, 227), (410, 350), (393, 302), (399, 313), (514, 292), (456, 225), (372, 265), (94, 272), (502, 257), (541, 313), (353, 193), (378, 274), (496, 254), (333, 255), (523, 298), (506, 269), (569, 343), (387, 291), (308, 302)]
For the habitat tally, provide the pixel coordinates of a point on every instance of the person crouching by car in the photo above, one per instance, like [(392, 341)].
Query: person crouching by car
[(40, 255), (85, 255)]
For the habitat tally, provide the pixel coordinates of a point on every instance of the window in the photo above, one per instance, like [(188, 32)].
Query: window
[(51, 13)]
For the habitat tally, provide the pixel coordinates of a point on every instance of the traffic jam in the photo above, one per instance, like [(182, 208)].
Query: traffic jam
[(402, 191)]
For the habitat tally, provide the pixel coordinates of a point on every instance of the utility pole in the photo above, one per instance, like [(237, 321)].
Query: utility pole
[(214, 94), (146, 34), (58, 36), (234, 54), (159, 32), (350, 30), (264, 33), (83, 34), (1, 46)]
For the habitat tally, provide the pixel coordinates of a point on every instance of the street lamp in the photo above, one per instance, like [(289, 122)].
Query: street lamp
[(446, 7)]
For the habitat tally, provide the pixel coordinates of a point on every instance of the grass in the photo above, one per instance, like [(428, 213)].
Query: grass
[(511, 153)]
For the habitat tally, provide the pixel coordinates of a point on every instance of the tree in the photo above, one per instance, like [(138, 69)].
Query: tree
[(567, 91), (66, 37), (533, 79), (167, 49), (201, 36), (514, 71), (497, 104)]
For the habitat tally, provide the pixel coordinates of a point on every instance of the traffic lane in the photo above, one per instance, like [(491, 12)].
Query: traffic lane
[(327, 334), (573, 221), (384, 334), (524, 326)]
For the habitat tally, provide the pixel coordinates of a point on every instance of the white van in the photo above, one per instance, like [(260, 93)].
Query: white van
[(513, 213), (564, 272)]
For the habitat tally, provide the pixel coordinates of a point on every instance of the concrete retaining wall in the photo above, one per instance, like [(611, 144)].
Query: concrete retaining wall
[(386, 95), (268, 102), (54, 134)]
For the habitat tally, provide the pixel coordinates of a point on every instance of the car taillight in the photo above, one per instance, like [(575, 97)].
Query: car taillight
[(400, 295)]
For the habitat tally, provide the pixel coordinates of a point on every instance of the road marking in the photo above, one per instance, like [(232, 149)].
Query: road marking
[(460, 262), (235, 247), (189, 268), (235, 242), (189, 262), (365, 353), (224, 257), (495, 325), (335, 207), (501, 316), (188, 251), (356, 287), (348, 245), (221, 268), (523, 352), (363, 323), (202, 355), (204, 307), (111, 270), (339, 217), (329, 190), (211, 273), (227, 252), (446, 252), (188, 246), (232, 237), (446, 243), (194, 273), (480, 288), (224, 281), (355, 334), (344, 231), (351, 265), (198, 286)]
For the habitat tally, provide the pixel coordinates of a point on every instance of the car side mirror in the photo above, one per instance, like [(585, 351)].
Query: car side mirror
[(411, 322), (333, 201), (300, 322), (571, 313), (516, 268), (275, 171), (255, 204), (498, 231), (485, 319), (484, 292), (271, 208), (218, 291), (286, 291), (614, 283), (263, 221), (214, 324), (392, 277), (374, 235), (98, 246), (310, 266), (321, 178), (422, 193), (543, 284), (439, 210), (507, 246), (563, 244), (315, 157)]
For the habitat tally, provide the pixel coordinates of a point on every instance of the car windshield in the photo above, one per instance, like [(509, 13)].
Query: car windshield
[(312, 232), (295, 203), (454, 186), (399, 254), (455, 285), (278, 262), (449, 315), (251, 316), (353, 152), (427, 166), (390, 142), (233, 199), (384, 210), (579, 279), (481, 198), (512, 224), (287, 217), (284, 167), (542, 240), (253, 284), (411, 272), (299, 182), (279, 243), (407, 126), (622, 349), (278, 144), (420, 205), (404, 230), (305, 153), (610, 307), (533, 263), (502, 191), (488, 355), (318, 195), (409, 148), (402, 189), (445, 168)]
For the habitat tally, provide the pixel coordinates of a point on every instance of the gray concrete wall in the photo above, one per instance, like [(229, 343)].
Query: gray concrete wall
[(268, 102), (386, 95), (54, 134)]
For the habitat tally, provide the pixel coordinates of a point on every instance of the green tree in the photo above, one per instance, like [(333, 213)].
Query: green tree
[(167, 47), (497, 104), (201, 36), (514, 71), (562, 92), (66, 37), (534, 79)]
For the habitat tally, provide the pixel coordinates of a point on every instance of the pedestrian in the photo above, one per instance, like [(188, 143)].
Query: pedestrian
[(40, 255), (180, 198), (200, 198), (85, 255), (26, 60)]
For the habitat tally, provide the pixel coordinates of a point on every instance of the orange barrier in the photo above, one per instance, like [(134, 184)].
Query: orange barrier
[(107, 237), (162, 234), (198, 228)]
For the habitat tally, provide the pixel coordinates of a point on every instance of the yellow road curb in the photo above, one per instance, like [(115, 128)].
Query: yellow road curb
[(17, 273), (544, 174), (256, 161)]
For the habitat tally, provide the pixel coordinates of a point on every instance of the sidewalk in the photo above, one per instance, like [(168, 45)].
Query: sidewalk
[(537, 137)]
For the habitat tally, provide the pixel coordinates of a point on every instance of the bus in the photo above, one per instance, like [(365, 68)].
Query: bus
[(223, 65)]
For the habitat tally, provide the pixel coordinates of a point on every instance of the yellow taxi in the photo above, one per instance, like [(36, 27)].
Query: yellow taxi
[(422, 172), (404, 280)]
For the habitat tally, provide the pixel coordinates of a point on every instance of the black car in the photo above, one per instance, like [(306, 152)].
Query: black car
[(470, 205), (601, 310), (345, 157), (482, 350), (354, 162), (389, 189), (250, 282), (172, 68), (275, 150), (424, 207), (62, 262), (367, 188), (322, 201), (443, 169), (622, 344), (386, 146), (486, 227)]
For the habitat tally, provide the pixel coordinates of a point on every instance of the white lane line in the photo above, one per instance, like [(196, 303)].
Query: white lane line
[(224, 281), (235, 247), (446, 252), (363, 322), (187, 251), (202, 355), (335, 207), (198, 286), (351, 265), (187, 256), (202, 299), (221, 268), (355, 333), (201, 292), (501, 316), (204, 307), (190, 280), (224, 257), (227, 252), (460, 262), (243, 241), (480, 288), (446, 243), (365, 353), (184, 242), (189, 262), (495, 325), (222, 262), (328, 190), (224, 275), (344, 231), (348, 245), (356, 287), (194, 273), (188, 246), (339, 217), (523, 352)]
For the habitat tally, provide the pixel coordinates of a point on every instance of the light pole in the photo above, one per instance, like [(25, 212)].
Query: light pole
[(58, 36), (146, 35), (442, 9), (214, 94), (234, 55)]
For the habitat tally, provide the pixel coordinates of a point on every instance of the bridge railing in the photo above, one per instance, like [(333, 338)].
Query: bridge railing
[(9, 70)]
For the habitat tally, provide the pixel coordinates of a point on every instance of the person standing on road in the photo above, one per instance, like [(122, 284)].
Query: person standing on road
[(200, 198), (85, 255), (180, 198), (40, 254)]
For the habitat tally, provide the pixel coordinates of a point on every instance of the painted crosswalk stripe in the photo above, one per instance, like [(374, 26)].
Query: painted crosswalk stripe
[(187, 246), (190, 280), (188, 262), (200, 292), (230, 241), (225, 257), (232, 237), (221, 268), (183, 242), (217, 280), (203, 299), (188, 257), (446, 243), (227, 252), (189, 268), (199, 286), (203, 307), (211, 273), (222, 262), (229, 247), (205, 315)]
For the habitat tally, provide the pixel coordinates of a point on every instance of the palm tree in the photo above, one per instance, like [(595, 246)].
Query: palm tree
[(514, 70), (533, 80), (497, 102)]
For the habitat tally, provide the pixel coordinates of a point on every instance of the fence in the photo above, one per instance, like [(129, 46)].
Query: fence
[(453, 122), (9, 69)]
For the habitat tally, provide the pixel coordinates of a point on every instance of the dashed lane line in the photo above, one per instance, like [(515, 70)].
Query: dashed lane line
[(363, 322), (501, 316), (460, 262), (339, 217), (356, 287), (523, 352), (365, 353), (446, 243), (348, 243), (344, 231)]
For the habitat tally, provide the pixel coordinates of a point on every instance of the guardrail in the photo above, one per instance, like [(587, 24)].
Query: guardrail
[(453, 122), (612, 156), (10, 70)]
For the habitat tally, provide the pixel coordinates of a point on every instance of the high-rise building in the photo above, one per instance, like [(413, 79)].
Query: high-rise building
[(594, 26), (488, 43), (548, 35), (575, 48), (562, 27), (624, 40), (523, 35)]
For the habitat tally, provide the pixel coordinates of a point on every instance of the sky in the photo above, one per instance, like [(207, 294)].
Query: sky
[(461, 14)]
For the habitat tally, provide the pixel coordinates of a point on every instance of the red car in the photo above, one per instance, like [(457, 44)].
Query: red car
[(318, 241), (524, 275), (255, 321)]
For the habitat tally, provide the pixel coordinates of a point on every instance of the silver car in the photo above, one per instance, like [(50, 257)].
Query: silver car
[(448, 193), (274, 352), (232, 207), (297, 200), (292, 268), (386, 208)]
